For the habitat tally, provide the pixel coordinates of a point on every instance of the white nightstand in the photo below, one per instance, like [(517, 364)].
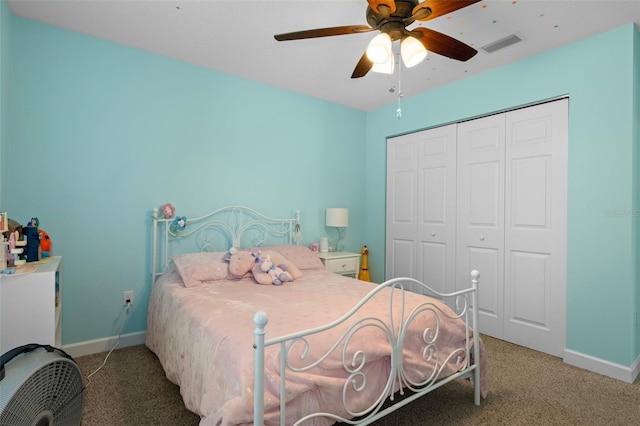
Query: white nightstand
[(341, 262)]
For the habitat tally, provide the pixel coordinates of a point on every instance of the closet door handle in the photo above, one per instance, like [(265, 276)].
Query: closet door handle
[(433, 234), (482, 238)]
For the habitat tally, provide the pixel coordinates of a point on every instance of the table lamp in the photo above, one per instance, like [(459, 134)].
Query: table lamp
[(339, 219)]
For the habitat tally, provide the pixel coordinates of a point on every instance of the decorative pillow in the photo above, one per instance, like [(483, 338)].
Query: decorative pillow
[(301, 256), (195, 268)]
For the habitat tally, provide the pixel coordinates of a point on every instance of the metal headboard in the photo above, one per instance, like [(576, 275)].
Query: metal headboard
[(219, 230)]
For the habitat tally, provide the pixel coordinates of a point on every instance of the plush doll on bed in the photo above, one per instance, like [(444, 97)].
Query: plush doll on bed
[(243, 262), (278, 274)]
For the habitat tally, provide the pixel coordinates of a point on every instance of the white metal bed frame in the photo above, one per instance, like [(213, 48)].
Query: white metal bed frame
[(221, 229), (239, 226)]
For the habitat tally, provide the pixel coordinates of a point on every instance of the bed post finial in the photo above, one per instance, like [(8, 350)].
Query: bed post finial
[(260, 319)]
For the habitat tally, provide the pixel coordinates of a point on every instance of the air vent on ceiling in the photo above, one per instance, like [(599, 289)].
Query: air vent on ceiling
[(502, 43)]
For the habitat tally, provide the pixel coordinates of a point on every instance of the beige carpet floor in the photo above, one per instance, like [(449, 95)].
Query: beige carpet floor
[(526, 388)]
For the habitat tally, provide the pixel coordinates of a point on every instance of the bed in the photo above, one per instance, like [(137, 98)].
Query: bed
[(321, 349)]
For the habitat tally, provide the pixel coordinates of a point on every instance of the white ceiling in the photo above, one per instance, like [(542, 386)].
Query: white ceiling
[(236, 37)]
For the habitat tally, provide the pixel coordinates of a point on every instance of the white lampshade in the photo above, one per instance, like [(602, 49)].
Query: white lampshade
[(338, 217), (385, 67), (379, 49), (413, 52)]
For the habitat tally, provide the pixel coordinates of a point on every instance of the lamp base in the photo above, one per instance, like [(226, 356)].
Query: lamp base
[(340, 232)]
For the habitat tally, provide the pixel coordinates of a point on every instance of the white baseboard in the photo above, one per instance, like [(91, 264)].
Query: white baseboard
[(600, 366), (105, 344)]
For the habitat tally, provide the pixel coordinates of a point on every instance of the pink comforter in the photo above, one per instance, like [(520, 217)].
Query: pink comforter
[(203, 337)]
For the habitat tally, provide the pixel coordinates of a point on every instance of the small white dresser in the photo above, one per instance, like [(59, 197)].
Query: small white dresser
[(31, 306)]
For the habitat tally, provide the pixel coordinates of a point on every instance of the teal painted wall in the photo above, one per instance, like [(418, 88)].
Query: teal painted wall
[(602, 282), (636, 190), (117, 131), (5, 53), (102, 133)]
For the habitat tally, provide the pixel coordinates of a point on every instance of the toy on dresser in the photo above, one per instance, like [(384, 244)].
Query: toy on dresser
[(32, 238), (16, 250), (4, 247), (23, 244), (13, 244)]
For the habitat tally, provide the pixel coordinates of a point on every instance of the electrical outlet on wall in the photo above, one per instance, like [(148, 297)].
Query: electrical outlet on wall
[(127, 297)]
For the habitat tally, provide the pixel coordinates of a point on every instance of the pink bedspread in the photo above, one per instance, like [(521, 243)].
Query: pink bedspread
[(203, 337)]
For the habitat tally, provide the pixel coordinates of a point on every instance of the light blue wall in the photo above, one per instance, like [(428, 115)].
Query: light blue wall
[(636, 190), (5, 43), (103, 133), (600, 75), (114, 131)]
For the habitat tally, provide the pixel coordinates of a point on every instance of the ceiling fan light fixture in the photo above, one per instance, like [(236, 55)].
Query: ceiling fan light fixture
[(413, 52), (379, 49), (387, 67)]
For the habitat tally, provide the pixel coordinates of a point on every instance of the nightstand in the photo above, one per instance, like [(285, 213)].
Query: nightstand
[(341, 262)]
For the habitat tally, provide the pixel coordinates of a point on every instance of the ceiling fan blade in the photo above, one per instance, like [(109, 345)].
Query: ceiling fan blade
[(323, 32), (375, 5), (438, 8), (363, 67), (444, 45)]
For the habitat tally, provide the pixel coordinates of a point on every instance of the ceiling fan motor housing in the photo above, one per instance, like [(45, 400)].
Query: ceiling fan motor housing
[(392, 24)]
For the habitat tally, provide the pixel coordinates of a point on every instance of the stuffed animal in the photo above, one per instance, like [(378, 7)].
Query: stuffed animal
[(278, 274), (240, 262), (243, 262)]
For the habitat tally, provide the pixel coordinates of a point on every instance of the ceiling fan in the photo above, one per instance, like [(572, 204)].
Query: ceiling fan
[(391, 18)]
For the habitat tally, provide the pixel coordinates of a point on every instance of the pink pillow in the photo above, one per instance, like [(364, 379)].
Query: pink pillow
[(195, 268), (301, 256)]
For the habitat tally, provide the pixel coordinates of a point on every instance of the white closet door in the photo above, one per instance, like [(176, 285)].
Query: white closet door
[(480, 215), (401, 206), (437, 207), (535, 226), (496, 203)]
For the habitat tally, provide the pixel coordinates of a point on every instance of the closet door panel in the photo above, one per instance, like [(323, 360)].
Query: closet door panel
[(530, 196), (491, 295), (436, 227), (401, 210), (484, 203), (480, 216), (530, 284), (535, 226), (434, 203), (433, 264), (401, 260)]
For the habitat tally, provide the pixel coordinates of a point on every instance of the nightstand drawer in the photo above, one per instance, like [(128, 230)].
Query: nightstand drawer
[(342, 266)]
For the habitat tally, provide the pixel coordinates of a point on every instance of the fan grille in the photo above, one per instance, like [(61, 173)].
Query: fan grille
[(53, 394)]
